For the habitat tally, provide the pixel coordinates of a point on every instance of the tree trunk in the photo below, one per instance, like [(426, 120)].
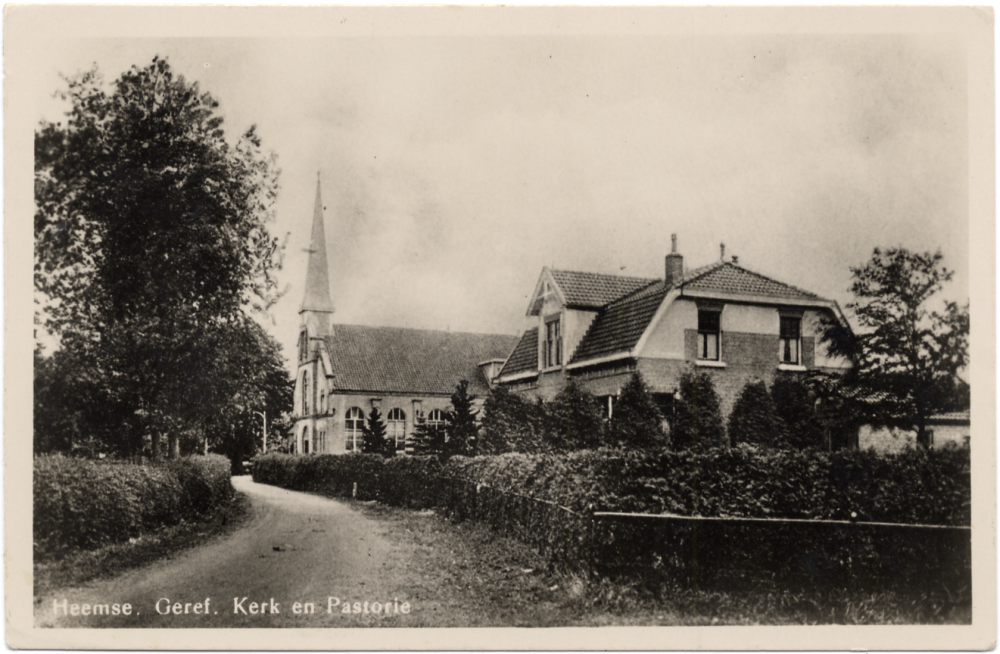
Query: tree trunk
[(155, 439), (174, 444)]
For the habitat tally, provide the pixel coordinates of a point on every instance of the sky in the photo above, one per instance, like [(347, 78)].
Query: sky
[(454, 168)]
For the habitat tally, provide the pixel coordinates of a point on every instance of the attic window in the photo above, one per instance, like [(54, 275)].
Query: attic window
[(552, 354), (708, 334)]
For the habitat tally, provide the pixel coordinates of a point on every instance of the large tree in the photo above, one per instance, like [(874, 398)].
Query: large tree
[(906, 352), (150, 239)]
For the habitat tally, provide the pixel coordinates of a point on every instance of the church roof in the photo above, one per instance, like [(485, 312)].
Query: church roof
[(317, 295), (584, 290), (525, 355), (418, 361)]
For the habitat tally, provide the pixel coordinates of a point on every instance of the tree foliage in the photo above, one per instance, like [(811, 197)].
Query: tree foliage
[(427, 438), (573, 420), (374, 435), (697, 422), (511, 423), (754, 419), (637, 422), (150, 243), (460, 422), (796, 407), (906, 353)]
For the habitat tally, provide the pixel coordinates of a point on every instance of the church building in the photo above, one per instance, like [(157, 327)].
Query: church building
[(345, 370)]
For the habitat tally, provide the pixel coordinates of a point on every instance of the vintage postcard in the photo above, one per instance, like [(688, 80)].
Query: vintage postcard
[(500, 328)]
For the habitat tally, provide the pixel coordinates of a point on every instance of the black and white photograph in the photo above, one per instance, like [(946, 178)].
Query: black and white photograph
[(414, 327)]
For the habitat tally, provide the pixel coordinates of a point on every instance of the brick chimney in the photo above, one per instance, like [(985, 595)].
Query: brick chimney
[(675, 264)]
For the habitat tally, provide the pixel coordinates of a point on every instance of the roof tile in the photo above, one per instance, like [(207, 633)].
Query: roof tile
[(525, 354), (594, 290), (726, 277), (620, 325), (399, 360)]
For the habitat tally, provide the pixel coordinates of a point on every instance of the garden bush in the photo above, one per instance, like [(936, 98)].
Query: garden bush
[(546, 500), (912, 486), (754, 419), (84, 504), (697, 421)]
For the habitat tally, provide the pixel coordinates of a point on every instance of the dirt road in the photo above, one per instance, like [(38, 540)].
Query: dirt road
[(298, 562)]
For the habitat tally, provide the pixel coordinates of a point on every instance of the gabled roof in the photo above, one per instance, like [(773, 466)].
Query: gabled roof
[(524, 358), (729, 278), (418, 361), (621, 324), (584, 290)]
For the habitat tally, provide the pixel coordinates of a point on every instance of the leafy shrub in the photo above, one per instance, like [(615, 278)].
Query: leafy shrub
[(754, 419), (697, 422), (637, 422), (84, 504), (512, 423), (795, 405), (573, 420)]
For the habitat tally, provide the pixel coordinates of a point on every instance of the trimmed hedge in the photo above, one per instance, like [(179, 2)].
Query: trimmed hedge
[(85, 504), (547, 502), (912, 486)]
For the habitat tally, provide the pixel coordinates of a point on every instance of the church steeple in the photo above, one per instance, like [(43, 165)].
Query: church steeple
[(317, 295)]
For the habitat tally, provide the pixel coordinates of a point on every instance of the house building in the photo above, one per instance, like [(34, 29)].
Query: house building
[(946, 429), (733, 323), (345, 370)]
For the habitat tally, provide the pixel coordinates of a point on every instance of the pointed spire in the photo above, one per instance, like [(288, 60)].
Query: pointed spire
[(317, 296)]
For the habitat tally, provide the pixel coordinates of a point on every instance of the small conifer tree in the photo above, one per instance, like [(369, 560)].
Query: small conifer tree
[(574, 420), (373, 434), (510, 423), (796, 406), (426, 439), (754, 419), (637, 422), (697, 420), (460, 423)]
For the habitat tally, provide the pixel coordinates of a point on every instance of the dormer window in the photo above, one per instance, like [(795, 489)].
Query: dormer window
[(708, 334), (552, 347), (790, 340)]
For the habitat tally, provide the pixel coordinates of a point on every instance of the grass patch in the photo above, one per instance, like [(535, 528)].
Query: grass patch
[(79, 567), (512, 585)]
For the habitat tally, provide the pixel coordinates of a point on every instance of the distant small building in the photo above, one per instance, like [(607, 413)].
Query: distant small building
[(345, 370), (730, 322), (953, 428)]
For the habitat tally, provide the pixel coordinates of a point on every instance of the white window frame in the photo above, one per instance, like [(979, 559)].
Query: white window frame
[(395, 423), (354, 424)]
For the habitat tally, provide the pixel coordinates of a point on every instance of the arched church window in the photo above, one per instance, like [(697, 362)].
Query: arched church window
[(305, 392), (353, 423), (396, 427), (305, 441), (435, 418), (303, 345)]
